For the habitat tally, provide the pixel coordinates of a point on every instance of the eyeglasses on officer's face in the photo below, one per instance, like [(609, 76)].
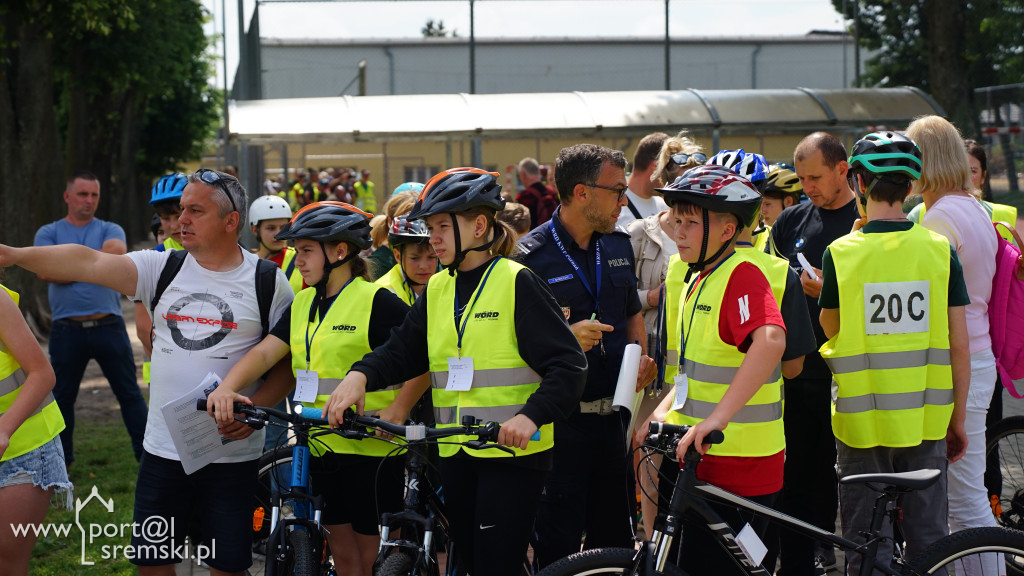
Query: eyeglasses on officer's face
[(683, 159), (213, 178), (619, 190)]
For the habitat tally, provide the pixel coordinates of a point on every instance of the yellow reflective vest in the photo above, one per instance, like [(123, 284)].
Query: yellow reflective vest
[(338, 341), (290, 270), (45, 422), (395, 282), (674, 285), (502, 380), (170, 244), (711, 365), (365, 196), (892, 382)]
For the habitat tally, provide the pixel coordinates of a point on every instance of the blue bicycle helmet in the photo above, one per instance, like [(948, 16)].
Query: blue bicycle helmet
[(414, 187), (168, 187), (752, 166)]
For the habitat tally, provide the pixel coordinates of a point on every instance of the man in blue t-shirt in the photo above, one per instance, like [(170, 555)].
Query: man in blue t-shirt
[(87, 322)]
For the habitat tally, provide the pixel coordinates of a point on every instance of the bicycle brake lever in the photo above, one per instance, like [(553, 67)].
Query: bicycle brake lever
[(253, 423), (481, 445)]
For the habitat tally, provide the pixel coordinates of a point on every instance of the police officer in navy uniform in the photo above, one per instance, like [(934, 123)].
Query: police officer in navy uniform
[(588, 265)]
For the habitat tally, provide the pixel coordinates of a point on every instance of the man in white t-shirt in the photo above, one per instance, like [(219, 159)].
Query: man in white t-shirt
[(206, 320), (642, 200)]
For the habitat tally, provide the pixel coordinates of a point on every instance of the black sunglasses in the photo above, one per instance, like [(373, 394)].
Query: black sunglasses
[(682, 159), (212, 177), (619, 192)]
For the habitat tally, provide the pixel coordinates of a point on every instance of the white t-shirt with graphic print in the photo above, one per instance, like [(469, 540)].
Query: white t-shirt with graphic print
[(205, 322)]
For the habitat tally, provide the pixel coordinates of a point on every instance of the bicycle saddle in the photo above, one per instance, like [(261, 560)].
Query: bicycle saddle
[(914, 480)]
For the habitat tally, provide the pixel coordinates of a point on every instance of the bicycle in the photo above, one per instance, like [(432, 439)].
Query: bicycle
[(953, 554), (293, 543)]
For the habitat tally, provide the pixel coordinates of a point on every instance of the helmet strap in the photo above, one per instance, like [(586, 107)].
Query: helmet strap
[(321, 285), (460, 254), (703, 261)]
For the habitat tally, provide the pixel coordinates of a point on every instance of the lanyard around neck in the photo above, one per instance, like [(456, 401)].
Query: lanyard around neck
[(463, 320), (594, 292), (702, 280), (309, 338)]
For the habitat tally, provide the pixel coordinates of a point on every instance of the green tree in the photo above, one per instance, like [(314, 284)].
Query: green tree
[(437, 30), (117, 87)]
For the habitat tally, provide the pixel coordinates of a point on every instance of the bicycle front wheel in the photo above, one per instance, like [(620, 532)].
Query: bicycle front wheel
[(972, 552), (298, 559), (600, 561)]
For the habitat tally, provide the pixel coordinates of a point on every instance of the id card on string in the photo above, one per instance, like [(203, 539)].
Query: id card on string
[(460, 374), (682, 390), (307, 384)]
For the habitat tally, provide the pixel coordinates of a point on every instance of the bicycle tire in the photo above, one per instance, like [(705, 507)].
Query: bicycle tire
[(961, 553), (600, 561), (1006, 438), (299, 558), (398, 563), (268, 462)]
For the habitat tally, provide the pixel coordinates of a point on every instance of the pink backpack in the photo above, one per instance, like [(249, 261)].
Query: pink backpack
[(1006, 312)]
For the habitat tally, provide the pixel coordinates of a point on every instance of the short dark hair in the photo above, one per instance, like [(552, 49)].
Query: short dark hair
[(647, 150), (890, 188), (832, 150), (81, 175), (167, 208), (582, 164)]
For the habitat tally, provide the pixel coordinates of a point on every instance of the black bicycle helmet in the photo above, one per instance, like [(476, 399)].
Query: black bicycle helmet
[(885, 153), (406, 231), (329, 223), (714, 189), (458, 190)]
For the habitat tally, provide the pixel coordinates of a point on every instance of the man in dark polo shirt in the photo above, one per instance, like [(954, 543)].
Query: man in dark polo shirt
[(809, 490), (589, 267)]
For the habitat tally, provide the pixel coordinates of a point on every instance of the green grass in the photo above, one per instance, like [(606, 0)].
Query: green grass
[(103, 458)]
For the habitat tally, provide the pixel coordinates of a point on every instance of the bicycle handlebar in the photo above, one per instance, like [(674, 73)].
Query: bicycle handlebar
[(306, 415), (664, 437)]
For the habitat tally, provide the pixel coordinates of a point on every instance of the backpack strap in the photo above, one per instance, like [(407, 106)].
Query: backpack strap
[(174, 262), (266, 284), (632, 208)]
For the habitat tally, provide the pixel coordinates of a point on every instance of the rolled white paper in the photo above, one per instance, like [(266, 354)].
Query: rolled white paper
[(626, 395)]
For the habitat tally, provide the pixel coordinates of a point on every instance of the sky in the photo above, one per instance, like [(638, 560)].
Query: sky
[(519, 19)]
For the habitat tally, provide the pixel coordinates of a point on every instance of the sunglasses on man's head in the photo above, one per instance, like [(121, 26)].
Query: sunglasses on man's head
[(213, 178)]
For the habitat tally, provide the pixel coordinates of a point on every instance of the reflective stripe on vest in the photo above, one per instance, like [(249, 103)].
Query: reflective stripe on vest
[(888, 360), (502, 380), (750, 414), (720, 374), (43, 424), (895, 401), (341, 340), (711, 365), (892, 380)]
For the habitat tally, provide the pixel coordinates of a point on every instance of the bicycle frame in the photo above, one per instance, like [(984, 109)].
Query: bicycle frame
[(422, 508), (691, 495)]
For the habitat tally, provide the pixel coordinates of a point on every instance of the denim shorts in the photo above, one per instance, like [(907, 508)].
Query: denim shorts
[(43, 467)]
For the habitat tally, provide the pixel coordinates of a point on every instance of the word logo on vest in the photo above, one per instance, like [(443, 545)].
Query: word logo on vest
[(616, 262), (343, 328), (704, 308), (896, 307), (485, 315), (181, 313)]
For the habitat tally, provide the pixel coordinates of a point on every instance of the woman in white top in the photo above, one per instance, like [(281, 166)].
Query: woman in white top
[(951, 210), (652, 247)]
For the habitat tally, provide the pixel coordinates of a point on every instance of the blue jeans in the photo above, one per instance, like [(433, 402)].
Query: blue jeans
[(71, 348)]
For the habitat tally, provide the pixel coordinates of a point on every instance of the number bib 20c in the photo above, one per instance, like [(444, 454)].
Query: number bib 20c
[(896, 307)]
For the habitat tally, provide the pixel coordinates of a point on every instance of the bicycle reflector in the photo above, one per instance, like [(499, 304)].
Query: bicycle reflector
[(257, 519)]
